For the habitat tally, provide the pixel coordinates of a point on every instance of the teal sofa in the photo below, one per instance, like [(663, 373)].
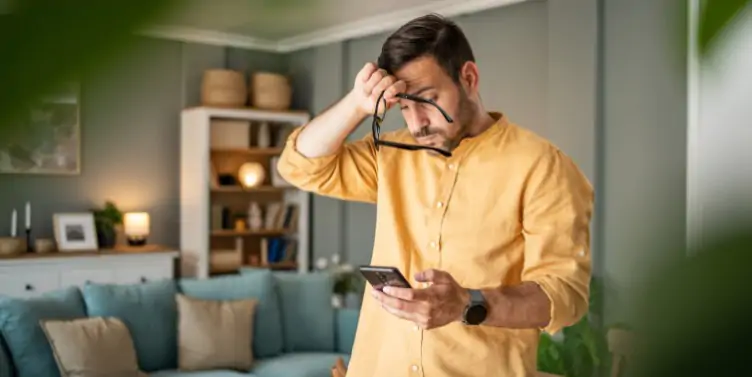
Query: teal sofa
[(297, 332)]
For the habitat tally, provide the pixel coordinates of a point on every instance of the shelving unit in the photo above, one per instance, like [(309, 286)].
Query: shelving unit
[(217, 237)]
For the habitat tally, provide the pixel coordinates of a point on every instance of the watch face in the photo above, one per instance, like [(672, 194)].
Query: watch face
[(475, 314)]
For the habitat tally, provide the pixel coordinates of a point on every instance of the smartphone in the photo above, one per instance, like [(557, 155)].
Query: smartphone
[(381, 276)]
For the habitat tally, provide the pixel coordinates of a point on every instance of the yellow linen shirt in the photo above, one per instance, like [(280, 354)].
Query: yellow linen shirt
[(507, 207)]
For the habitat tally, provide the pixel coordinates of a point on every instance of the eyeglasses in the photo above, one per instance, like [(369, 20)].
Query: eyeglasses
[(378, 119)]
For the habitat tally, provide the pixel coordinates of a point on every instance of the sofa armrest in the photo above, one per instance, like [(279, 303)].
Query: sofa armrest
[(6, 368), (346, 325)]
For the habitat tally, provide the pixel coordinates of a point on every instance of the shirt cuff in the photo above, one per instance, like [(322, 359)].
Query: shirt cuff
[(292, 159), (567, 305)]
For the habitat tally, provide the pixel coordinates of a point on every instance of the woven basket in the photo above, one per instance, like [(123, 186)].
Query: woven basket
[(224, 88), (270, 91)]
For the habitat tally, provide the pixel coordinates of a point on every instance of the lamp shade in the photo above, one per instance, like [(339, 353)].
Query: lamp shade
[(251, 174), (136, 224)]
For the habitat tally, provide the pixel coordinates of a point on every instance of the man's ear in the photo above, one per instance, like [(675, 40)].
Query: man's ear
[(469, 77)]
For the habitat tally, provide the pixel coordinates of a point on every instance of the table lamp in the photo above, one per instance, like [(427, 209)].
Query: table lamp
[(136, 228), (251, 174)]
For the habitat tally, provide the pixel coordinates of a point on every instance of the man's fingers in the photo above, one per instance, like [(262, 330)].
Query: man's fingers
[(385, 83), (393, 90), (374, 80), (365, 72), (407, 294)]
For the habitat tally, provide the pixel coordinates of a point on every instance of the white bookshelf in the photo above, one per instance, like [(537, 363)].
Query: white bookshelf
[(199, 159)]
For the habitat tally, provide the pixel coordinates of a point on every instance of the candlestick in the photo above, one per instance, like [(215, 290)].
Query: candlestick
[(28, 215), (28, 240), (13, 224)]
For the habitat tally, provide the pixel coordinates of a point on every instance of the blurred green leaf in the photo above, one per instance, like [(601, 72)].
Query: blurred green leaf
[(715, 18), (45, 43)]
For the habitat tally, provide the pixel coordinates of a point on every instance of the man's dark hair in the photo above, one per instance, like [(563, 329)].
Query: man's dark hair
[(429, 35)]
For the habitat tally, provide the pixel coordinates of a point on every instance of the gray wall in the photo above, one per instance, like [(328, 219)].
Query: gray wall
[(643, 145), (130, 113), (130, 116)]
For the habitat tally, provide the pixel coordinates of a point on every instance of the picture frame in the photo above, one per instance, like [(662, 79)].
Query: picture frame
[(75, 231), (47, 139)]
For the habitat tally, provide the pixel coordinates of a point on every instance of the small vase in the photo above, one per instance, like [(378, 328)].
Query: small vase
[(255, 218), (264, 137), (337, 301)]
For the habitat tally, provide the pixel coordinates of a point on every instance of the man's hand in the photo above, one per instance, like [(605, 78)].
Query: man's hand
[(441, 303)]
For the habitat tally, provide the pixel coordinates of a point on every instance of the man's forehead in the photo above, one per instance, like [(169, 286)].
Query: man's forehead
[(419, 74)]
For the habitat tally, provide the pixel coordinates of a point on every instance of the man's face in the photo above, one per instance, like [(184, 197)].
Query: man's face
[(425, 78)]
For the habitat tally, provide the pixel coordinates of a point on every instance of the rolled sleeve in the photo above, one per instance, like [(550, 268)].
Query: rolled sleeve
[(558, 207), (349, 173)]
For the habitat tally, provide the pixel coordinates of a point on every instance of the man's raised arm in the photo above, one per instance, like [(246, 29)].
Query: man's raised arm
[(317, 157)]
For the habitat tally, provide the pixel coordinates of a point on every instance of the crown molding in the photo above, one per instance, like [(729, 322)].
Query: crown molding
[(357, 29), (388, 22), (210, 37)]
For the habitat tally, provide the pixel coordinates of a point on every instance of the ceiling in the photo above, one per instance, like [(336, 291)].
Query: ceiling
[(287, 25)]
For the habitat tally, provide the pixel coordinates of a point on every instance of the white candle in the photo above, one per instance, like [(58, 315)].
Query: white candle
[(28, 215), (13, 224)]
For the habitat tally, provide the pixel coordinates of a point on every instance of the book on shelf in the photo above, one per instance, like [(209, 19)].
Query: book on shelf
[(276, 216), (276, 250)]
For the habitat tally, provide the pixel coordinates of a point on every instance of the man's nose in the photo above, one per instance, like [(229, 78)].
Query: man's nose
[(417, 120)]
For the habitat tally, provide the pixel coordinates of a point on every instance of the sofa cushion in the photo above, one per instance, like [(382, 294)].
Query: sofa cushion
[(148, 310), (6, 369), (307, 311), (214, 334), (27, 344), (210, 373), (347, 326), (100, 346), (306, 364), (267, 327)]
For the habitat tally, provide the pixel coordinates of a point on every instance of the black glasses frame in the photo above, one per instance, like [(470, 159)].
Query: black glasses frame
[(377, 120)]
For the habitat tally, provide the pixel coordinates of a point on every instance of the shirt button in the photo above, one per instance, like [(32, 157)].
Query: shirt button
[(414, 368), (451, 166), (582, 253), (439, 204), (416, 327), (433, 244)]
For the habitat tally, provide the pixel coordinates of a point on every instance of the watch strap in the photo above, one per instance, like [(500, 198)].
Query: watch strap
[(476, 297)]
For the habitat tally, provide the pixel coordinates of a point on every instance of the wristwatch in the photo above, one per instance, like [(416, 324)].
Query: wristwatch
[(477, 310)]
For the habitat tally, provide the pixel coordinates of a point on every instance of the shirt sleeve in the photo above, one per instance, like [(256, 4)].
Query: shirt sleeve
[(557, 209), (349, 174)]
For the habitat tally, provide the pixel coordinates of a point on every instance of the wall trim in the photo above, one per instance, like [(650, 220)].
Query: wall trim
[(357, 29), (210, 37)]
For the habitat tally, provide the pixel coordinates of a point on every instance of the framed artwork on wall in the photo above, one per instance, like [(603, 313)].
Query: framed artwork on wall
[(46, 139), (75, 231)]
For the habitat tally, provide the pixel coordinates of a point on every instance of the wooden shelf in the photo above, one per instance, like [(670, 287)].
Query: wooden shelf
[(250, 151), (241, 233), (240, 189), (290, 265), (202, 199)]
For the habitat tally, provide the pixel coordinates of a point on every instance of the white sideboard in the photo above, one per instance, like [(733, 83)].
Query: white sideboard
[(26, 275)]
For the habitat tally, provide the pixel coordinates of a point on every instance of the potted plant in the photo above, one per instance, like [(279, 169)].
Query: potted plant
[(581, 349), (348, 283), (107, 221)]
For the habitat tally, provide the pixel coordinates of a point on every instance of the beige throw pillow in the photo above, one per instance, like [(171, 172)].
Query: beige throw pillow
[(215, 334), (92, 347)]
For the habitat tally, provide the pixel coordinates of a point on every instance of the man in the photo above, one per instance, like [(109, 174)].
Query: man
[(489, 222)]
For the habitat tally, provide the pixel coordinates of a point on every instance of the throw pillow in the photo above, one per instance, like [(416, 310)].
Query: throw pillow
[(24, 338), (92, 347), (150, 313), (215, 334)]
